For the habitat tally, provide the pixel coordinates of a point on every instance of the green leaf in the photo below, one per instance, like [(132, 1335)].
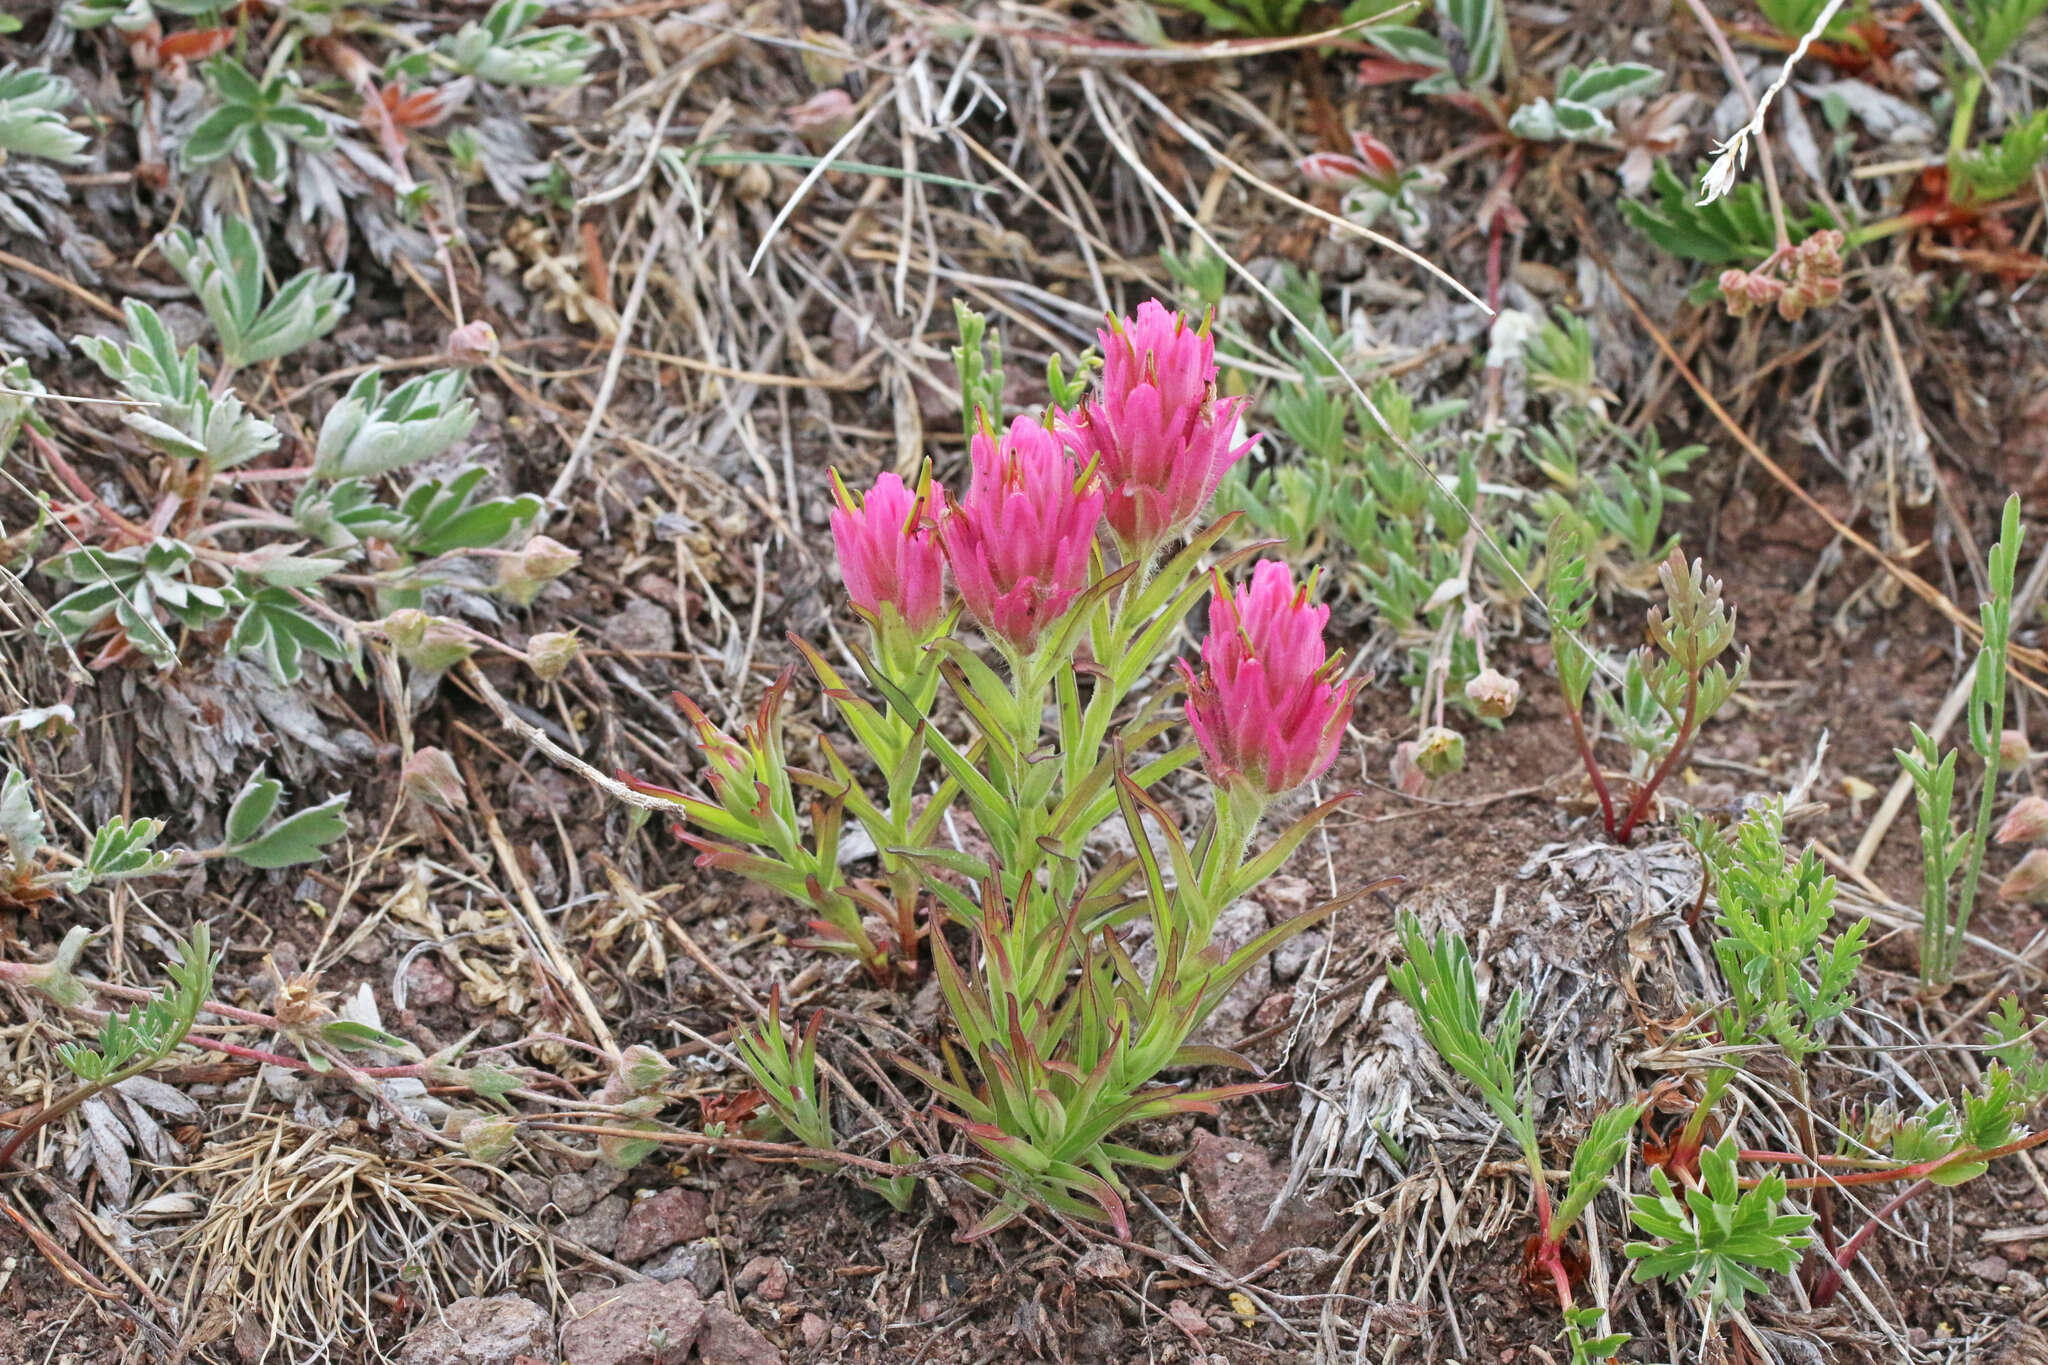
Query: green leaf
[(1735, 229), (32, 123), (277, 628), (1989, 173), (225, 269), (351, 1036), (1717, 1238), (120, 849), (369, 432), (501, 51), (252, 807), (298, 838)]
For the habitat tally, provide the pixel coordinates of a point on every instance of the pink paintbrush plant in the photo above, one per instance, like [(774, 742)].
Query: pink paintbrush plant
[(889, 558), (1158, 435), (1267, 707), (1020, 542)]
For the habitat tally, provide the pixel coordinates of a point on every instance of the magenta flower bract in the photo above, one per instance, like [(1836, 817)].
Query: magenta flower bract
[(1019, 543), (1266, 707), (887, 554), (1159, 435)]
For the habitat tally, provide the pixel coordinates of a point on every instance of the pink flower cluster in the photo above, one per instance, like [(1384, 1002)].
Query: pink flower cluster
[(1144, 458), (887, 555), (1159, 435), (1267, 707), (1813, 279), (1020, 543)]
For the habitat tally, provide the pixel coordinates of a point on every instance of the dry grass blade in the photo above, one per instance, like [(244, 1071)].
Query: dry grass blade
[(330, 1245)]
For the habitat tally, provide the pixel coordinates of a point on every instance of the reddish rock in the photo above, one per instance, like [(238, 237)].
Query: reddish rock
[(495, 1331), (729, 1339), (637, 1324), (1237, 1185), (765, 1277), (662, 1220)]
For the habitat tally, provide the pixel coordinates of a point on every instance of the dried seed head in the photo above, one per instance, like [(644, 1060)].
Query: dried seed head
[(1493, 694), (431, 778), (643, 1069), (489, 1140), (540, 562), (2028, 880), (2025, 823), (2013, 749), (1408, 779), (550, 653), (473, 343), (1440, 751)]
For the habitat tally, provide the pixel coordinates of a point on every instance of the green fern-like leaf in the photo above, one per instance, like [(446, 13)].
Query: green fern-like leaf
[(1986, 174)]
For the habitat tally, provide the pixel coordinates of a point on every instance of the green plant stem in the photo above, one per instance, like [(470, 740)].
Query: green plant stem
[(1966, 899), (1966, 113)]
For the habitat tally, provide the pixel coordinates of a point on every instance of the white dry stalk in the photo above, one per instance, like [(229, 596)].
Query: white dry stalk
[(1733, 154)]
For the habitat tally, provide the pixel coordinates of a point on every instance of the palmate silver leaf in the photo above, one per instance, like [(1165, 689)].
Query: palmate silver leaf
[(118, 1123), (508, 156)]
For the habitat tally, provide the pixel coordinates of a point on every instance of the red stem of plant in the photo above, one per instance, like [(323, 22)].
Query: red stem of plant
[(1593, 771), (1648, 790), (1829, 1283), (1912, 1172)]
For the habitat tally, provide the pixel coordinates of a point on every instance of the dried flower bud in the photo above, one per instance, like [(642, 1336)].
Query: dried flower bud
[(1408, 779), (1440, 751), (523, 574), (643, 1069), (1821, 254), (473, 343), (428, 643), (822, 119), (1493, 694), (431, 778), (550, 653), (2025, 823), (489, 1140), (2028, 880), (2013, 749), (1734, 285)]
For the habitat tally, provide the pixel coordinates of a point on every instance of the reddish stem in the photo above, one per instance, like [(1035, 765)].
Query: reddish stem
[(1679, 746), (1593, 771), (1829, 1283), (1918, 1169)]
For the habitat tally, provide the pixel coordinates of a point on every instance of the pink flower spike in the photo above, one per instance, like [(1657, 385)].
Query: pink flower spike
[(887, 554), (1020, 543), (1159, 436), (1267, 708)]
